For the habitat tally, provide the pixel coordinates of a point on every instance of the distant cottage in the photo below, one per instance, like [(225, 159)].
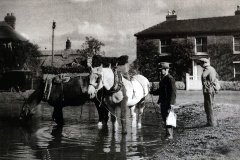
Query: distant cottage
[(216, 38), (61, 57)]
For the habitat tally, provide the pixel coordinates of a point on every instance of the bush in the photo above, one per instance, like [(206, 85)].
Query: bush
[(179, 85), (230, 85)]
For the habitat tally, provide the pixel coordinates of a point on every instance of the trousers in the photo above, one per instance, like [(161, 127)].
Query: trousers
[(164, 113), (208, 107)]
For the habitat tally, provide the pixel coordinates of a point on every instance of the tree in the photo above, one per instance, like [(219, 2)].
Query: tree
[(221, 56), (92, 47), (182, 51), (32, 61), (147, 60), (19, 55)]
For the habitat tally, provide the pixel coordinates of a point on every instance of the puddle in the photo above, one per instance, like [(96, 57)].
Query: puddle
[(80, 138)]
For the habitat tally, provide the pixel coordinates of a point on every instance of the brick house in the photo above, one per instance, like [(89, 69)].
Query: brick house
[(216, 38)]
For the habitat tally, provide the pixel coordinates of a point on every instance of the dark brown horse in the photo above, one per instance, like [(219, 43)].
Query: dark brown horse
[(71, 93)]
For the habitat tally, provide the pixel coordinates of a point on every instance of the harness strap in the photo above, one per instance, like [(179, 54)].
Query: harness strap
[(47, 89), (118, 83)]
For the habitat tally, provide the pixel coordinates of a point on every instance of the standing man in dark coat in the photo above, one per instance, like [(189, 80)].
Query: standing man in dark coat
[(208, 77), (167, 95)]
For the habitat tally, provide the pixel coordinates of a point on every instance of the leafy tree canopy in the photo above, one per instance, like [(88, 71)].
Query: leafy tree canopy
[(182, 51), (21, 55), (92, 47)]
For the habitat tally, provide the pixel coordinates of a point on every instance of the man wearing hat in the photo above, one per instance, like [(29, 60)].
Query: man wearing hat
[(208, 76), (167, 95)]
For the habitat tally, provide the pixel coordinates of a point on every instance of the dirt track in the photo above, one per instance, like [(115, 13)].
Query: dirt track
[(192, 140)]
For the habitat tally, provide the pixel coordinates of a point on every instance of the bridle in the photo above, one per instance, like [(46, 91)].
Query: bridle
[(99, 77)]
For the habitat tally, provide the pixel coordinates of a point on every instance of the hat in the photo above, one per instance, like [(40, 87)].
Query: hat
[(163, 65), (204, 60)]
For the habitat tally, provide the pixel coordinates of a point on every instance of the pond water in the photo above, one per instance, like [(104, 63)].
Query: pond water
[(79, 138)]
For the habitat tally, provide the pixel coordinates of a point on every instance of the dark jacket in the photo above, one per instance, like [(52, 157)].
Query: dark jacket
[(166, 91)]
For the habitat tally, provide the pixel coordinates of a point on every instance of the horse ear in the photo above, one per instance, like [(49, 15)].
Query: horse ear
[(100, 68), (109, 65)]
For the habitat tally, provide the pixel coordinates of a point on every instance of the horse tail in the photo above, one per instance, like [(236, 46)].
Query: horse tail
[(149, 87)]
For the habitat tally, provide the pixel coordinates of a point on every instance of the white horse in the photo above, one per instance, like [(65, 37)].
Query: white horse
[(129, 94)]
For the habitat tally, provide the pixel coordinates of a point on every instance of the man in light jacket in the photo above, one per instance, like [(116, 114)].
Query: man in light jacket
[(208, 77)]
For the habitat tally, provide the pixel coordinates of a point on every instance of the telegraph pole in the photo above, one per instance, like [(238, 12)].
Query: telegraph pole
[(53, 27)]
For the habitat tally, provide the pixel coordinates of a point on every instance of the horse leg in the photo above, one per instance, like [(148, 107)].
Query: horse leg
[(114, 119), (105, 112), (133, 115), (140, 107), (102, 113), (57, 115), (123, 115)]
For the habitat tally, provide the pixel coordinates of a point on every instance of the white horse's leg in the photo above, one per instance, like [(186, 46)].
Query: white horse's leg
[(141, 107), (133, 115), (114, 120)]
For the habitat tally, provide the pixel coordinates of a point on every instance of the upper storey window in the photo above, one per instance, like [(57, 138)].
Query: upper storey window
[(201, 44), (236, 45), (165, 46)]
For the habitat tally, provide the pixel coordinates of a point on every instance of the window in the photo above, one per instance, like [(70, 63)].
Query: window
[(237, 70), (165, 46), (201, 44), (236, 44)]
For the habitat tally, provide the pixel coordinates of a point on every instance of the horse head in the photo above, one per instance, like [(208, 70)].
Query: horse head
[(26, 112), (95, 81), (28, 107)]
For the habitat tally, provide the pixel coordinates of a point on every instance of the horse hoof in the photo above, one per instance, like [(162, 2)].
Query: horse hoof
[(139, 125), (100, 124)]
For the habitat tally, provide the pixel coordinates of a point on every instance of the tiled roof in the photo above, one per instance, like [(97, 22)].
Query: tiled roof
[(61, 57), (213, 25)]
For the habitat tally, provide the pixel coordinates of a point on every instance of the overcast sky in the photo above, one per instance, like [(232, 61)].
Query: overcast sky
[(114, 22)]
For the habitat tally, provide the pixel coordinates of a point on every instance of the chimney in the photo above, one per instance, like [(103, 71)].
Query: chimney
[(10, 20), (68, 44), (171, 16), (237, 12)]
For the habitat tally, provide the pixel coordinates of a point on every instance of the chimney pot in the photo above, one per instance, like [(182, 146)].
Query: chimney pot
[(237, 12), (171, 16), (68, 44), (10, 19)]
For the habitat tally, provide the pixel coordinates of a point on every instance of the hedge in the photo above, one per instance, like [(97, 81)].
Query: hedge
[(179, 85), (54, 70), (230, 85), (105, 61), (225, 85), (97, 60)]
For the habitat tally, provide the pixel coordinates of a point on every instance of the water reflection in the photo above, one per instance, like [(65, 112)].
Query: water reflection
[(80, 138)]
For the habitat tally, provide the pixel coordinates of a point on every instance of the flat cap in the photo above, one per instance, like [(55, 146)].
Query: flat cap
[(205, 60), (163, 65)]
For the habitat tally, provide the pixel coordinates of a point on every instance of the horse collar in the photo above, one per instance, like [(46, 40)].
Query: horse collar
[(118, 83)]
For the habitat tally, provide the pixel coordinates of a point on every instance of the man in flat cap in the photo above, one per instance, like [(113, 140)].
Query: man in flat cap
[(208, 77), (167, 95)]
